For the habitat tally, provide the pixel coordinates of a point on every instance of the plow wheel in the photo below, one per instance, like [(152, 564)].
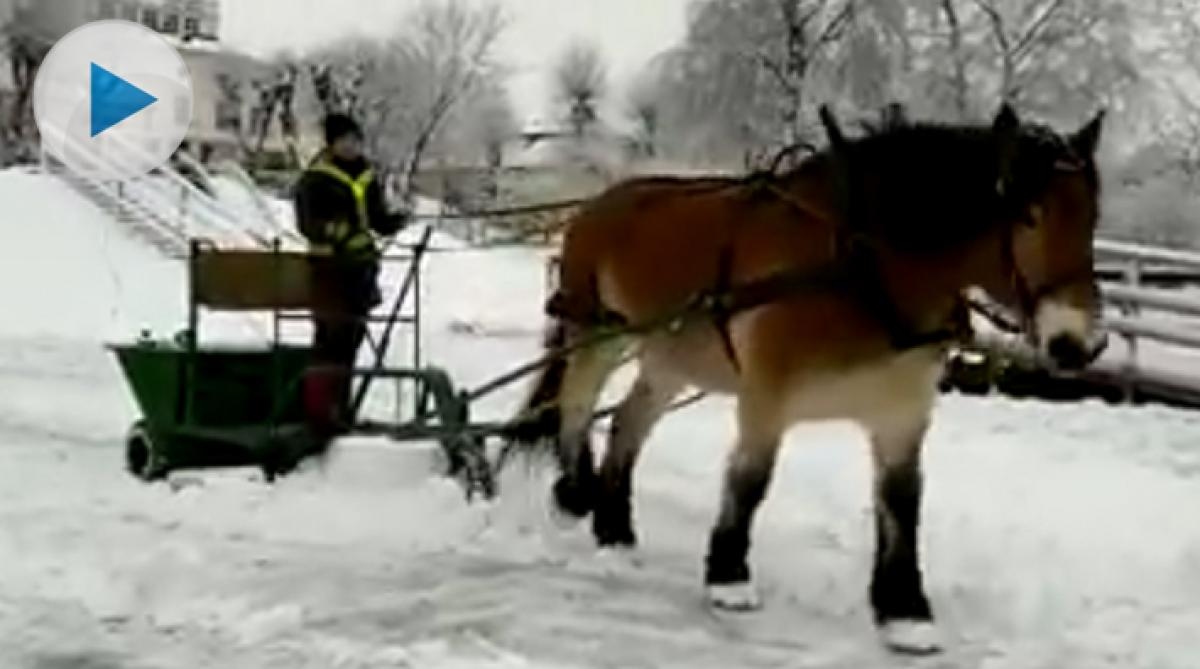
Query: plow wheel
[(143, 458)]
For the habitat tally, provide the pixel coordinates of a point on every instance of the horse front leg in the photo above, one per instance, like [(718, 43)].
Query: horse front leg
[(747, 476), (901, 608)]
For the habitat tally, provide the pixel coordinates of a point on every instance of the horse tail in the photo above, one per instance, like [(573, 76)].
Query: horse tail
[(540, 418)]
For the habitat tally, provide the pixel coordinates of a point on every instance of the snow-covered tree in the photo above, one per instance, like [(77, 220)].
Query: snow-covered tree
[(644, 111), (750, 73), (580, 83), (746, 74)]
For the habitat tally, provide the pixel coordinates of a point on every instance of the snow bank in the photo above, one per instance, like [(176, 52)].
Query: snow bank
[(252, 207), (68, 271)]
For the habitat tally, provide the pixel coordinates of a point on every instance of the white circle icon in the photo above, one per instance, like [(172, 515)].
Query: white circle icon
[(112, 99)]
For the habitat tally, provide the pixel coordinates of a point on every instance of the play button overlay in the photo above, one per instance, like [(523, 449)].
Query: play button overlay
[(112, 100)]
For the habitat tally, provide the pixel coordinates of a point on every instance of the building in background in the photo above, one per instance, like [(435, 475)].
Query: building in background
[(226, 83)]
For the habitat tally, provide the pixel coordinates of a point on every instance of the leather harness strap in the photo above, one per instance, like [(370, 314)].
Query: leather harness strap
[(720, 313), (722, 303)]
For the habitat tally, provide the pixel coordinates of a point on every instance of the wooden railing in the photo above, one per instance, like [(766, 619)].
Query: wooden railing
[(1160, 327)]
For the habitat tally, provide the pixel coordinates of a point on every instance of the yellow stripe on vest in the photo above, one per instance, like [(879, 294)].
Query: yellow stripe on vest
[(357, 186)]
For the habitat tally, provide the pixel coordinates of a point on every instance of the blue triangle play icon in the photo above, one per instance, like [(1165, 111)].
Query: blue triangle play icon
[(114, 99)]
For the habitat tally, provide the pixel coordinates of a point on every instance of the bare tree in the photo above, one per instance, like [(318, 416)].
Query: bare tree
[(25, 45), (958, 56), (645, 112), (274, 95), (1058, 56), (749, 71), (450, 50), (490, 123), (1017, 39), (580, 83), (406, 89), (808, 28), (252, 98)]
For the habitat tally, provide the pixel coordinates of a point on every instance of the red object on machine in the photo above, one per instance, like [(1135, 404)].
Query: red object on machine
[(323, 395)]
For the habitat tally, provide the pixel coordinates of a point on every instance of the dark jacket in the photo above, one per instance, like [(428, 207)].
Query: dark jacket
[(322, 202), (322, 199)]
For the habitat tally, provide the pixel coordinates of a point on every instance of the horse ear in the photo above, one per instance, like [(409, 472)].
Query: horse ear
[(1087, 138), (832, 129), (1006, 129), (1006, 122)]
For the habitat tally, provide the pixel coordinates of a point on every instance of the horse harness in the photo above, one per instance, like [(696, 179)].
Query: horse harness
[(855, 267), (726, 299)]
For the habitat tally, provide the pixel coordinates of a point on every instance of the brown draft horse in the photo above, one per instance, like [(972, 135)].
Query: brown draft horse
[(909, 216)]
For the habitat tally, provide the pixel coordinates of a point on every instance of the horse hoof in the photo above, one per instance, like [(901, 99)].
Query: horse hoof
[(911, 637), (612, 535), (734, 597), (572, 499)]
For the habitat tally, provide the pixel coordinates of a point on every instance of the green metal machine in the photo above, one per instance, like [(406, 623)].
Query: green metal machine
[(209, 406)]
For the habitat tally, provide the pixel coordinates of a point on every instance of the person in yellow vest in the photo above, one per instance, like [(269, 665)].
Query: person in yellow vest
[(340, 209)]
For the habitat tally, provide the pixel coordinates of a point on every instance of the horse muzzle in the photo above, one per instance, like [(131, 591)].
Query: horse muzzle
[(1071, 353), (1068, 337)]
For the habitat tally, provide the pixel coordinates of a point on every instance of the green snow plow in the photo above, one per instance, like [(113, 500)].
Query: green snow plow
[(206, 406)]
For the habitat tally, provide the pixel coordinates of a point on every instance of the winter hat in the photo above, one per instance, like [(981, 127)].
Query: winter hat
[(339, 125)]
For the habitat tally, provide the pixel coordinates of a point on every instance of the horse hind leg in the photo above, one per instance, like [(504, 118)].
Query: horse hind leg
[(583, 378), (747, 477), (902, 610), (639, 411), (558, 413)]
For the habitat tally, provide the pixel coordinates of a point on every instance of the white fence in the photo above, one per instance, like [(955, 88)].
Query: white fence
[(1159, 327)]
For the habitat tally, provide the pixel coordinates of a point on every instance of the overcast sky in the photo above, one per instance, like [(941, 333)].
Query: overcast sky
[(629, 32)]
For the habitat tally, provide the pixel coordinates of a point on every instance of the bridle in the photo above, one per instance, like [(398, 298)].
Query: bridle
[(1026, 294)]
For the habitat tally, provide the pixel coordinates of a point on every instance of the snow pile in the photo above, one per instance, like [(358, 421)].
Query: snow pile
[(251, 207), (68, 271)]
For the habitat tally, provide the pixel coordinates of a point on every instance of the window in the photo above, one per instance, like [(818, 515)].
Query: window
[(171, 24), (229, 116), (191, 27), (150, 18)]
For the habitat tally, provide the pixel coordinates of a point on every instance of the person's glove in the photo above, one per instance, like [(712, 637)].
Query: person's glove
[(347, 238), (337, 231)]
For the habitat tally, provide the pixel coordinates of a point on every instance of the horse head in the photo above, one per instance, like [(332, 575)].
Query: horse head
[(1022, 192), (1049, 190)]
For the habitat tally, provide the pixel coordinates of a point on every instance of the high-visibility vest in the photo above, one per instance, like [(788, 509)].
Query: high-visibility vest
[(356, 240)]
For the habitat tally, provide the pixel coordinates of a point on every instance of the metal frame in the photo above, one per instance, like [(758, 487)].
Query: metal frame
[(439, 410)]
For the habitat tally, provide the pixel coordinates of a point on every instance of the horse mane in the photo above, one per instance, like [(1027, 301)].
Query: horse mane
[(928, 186)]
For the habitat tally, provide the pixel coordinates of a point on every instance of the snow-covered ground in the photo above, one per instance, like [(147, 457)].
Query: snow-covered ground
[(1055, 536)]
